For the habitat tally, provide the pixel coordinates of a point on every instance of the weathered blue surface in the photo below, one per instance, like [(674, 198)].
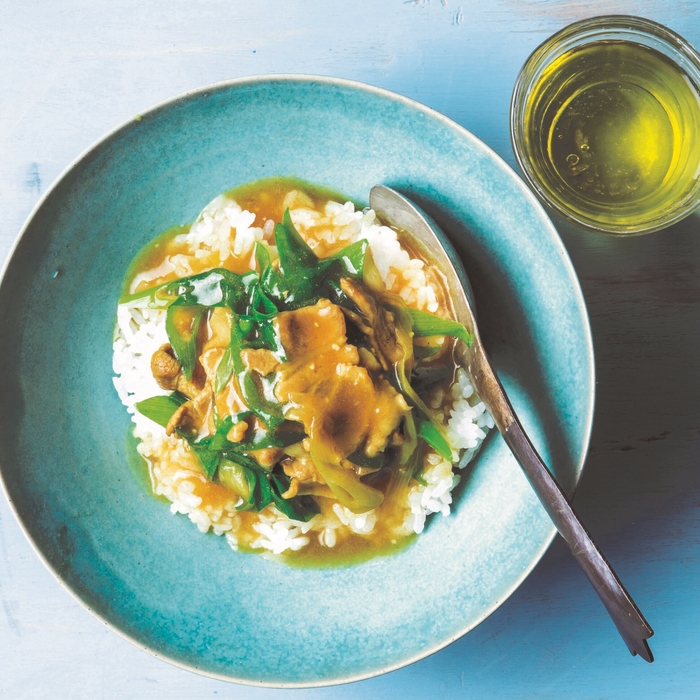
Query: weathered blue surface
[(154, 577), (72, 71)]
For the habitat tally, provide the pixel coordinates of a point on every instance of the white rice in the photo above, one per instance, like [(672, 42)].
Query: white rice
[(223, 229)]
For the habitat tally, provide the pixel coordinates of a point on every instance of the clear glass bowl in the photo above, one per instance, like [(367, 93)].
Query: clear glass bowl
[(605, 124)]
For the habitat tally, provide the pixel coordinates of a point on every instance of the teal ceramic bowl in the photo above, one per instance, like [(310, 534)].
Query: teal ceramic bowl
[(151, 576)]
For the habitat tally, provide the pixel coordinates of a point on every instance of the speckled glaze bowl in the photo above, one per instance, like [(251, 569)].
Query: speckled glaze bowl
[(152, 576)]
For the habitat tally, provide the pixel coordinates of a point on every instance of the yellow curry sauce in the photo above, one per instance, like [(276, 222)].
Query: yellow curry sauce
[(353, 407)]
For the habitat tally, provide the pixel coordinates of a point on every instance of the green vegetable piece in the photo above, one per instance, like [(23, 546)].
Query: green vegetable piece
[(219, 441), (252, 477), (298, 508), (435, 438), (292, 248), (258, 489), (420, 478), (208, 459), (238, 479), (160, 409), (217, 287), (303, 278), (270, 279), (257, 392), (410, 444), (345, 484), (262, 306), (184, 345), (157, 296), (423, 352), (402, 367), (263, 492), (407, 470), (281, 437), (410, 462), (224, 371), (208, 449), (426, 324), (242, 475), (350, 261), (361, 459)]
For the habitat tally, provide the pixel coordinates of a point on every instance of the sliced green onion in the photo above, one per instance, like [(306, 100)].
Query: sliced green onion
[(345, 484), (263, 491), (184, 346), (157, 296), (426, 324), (303, 278), (224, 371), (423, 352), (410, 439), (298, 508), (237, 478), (208, 459), (160, 409), (435, 438)]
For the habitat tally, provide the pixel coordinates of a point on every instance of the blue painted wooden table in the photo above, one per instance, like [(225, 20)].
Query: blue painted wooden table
[(73, 70)]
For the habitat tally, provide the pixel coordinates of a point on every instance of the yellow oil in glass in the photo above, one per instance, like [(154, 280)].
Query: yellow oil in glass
[(614, 133)]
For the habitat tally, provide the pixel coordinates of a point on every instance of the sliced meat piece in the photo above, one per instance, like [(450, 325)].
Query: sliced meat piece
[(209, 360), (301, 468), (228, 401), (195, 416), (167, 371), (259, 360), (315, 376), (267, 457), (165, 367), (389, 408), (218, 328), (314, 342), (343, 417), (310, 329), (293, 489), (324, 387), (237, 432)]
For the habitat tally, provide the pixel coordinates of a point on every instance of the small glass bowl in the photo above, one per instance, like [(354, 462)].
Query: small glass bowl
[(656, 190)]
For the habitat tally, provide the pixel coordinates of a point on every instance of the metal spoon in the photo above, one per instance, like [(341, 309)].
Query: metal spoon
[(395, 209)]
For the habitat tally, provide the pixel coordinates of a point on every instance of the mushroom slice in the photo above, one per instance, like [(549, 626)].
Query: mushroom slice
[(381, 324)]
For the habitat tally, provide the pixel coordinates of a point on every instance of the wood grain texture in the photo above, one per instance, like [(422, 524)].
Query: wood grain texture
[(72, 71)]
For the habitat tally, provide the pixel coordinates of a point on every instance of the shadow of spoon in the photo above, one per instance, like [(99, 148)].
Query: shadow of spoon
[(395, 209)]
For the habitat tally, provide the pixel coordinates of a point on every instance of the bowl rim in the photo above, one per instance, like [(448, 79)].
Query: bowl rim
[(554, 238)]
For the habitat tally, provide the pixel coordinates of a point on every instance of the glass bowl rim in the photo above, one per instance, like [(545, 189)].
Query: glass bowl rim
[(576, 34)]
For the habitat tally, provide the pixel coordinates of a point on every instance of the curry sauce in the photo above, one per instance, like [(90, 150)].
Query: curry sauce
[(300, 405)]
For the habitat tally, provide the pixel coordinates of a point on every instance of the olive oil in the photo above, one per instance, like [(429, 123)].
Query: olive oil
[(613, 129)]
